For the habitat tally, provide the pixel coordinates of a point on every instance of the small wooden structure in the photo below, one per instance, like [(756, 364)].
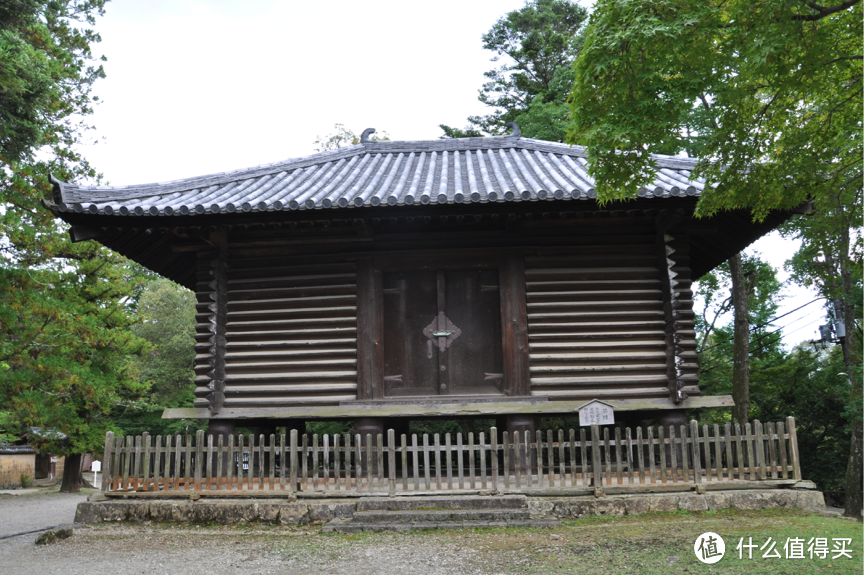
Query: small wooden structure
[(451, 278)]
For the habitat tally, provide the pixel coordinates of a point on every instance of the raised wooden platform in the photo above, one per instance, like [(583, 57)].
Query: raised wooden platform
[(419, 409)]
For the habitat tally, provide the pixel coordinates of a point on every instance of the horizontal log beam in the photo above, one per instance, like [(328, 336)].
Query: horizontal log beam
[(402, 409)]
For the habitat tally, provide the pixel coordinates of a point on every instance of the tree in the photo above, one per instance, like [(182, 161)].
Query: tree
[(778, 83), (343, 137), (718, 343), (538, 43), (65, 309), (166, 316)]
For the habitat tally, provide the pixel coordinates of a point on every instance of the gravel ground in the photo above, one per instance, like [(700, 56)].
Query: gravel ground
[(122, 550), (32, 511)]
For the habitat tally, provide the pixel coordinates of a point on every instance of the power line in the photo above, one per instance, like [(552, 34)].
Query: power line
[(767, 323)]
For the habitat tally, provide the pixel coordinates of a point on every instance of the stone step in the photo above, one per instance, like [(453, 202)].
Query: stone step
[(419, 515), (353, 526), (442, 502)]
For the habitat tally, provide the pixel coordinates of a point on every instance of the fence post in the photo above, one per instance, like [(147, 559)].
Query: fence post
[(199, 457), (391, 461), (107, 475), (493, 440), (793, 448), (760, 449), (694, 441), (596, 461), (292, 457)]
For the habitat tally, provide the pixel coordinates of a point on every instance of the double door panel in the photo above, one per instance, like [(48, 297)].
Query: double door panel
[(442, 333)]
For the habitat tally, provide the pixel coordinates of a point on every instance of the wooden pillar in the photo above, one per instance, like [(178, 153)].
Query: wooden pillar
[(370, 322), (524, 425), (217, 320), (671, 304), (369, 426), (221, 428), (673, 418)]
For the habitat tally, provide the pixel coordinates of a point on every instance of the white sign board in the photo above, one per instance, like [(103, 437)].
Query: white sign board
[(96, 466), (596, 412)]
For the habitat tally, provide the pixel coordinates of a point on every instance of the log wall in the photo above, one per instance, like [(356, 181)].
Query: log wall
[(597, 326), (291, 335), (608, 302)]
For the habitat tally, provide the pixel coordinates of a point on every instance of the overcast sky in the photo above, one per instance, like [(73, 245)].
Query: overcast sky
[(196, 87)]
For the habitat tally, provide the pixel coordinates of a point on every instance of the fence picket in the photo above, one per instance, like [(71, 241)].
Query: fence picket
[(694, 444), (652, 470), (370, 464), (772, 451), (449, 456), (793, 448), (673, 454), (415, 461), (739, 451), (136, 464), (760, 449), (482, 454), (208, 463), (781, 448), (718, 452), (751, 465), (220, 450), (493, 442), (506, 444), (379, 462), (404, 451), (473, 482), (685, 469), (427, 483), (437, 442), (459, 461), (629, 455), (517, 451), (204, 462), (596, 457)]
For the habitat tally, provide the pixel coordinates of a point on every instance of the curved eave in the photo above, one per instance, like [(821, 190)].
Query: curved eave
[(463, 171)]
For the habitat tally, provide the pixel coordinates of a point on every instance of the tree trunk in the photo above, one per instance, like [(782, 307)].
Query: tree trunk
[(741, 345), (852, 357), (72, 479)]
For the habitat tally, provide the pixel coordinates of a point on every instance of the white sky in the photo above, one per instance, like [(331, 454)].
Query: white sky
[(201, 86)]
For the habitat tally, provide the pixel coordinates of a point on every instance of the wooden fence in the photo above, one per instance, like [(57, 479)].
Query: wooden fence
[(591, 458)]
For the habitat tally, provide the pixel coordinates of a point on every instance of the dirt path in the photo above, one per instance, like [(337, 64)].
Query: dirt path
[(35, 511), (650, 544)]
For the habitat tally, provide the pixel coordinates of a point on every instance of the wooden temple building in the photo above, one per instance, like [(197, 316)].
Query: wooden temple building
[(391, 281)]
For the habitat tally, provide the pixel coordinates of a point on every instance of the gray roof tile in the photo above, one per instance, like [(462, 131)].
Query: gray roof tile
[(464, 170)]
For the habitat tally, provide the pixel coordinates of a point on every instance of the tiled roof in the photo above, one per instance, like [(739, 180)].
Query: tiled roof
[(495, 169), (15, 449)]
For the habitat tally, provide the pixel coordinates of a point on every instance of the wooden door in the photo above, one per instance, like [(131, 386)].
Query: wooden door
[(442, 333)]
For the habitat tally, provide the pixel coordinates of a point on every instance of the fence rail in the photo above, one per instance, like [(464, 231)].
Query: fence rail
[(591, 458)]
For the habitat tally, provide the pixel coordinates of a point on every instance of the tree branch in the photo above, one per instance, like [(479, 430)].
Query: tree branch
[(824, 11)]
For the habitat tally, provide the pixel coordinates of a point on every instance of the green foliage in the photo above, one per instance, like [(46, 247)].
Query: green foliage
[(166, 313), (10, 432), (343, 137), (812, 387), (26, 481), (65, 335), (538, 43), (65, 309), (775, 86)]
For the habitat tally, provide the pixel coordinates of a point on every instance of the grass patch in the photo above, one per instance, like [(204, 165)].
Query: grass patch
[(653, 543)]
